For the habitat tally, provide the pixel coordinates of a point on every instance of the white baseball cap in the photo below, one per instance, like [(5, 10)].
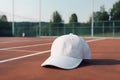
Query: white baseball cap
[(68, 51)]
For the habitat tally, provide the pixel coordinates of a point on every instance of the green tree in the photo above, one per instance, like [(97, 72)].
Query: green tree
[(115, 14), (5, 28), (57, 24), (56, 17), (101, 15), (3, 18), (73, 18), (115, 11), (73, 22)]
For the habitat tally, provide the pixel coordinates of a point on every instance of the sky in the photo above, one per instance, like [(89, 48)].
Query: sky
[(29, 10)]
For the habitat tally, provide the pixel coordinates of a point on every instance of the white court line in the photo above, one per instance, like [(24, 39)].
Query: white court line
[(25, 46), (41, 45), (25, 56), (95, 40), (21, 41), (8, 49), (22, 51)]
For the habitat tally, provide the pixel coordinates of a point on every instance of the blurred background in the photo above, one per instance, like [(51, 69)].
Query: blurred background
[(34, 18)]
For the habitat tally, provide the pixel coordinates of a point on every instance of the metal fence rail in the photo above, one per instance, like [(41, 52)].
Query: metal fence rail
[(101, 29), (31, 29)]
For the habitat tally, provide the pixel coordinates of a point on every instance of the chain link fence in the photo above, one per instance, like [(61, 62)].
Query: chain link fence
[(101, 29), (107, 28), (32, 29)]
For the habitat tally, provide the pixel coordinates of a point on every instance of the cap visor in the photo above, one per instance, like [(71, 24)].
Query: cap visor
[(63, 62)]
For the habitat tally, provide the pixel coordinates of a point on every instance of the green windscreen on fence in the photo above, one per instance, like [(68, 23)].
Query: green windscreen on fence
[(32, 29), (100, 29)]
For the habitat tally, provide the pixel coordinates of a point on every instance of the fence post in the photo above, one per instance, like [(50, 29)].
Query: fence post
[(92, 22), (57, 29), (103, 30), (40, 13), (73, 24), (13, 24), (113, 29), (49, 29), (64, 29)]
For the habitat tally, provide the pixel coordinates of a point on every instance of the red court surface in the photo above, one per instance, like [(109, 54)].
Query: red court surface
[(15, 64)]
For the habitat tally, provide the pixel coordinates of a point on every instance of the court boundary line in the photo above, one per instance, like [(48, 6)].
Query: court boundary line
[(41, 44), (95, 40), (20, 41), (20, 50), (25, 56), (17, 41), (25, 46), (34, 54)]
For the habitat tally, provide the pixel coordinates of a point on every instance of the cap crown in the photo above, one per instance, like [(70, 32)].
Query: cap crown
[(68, 45)]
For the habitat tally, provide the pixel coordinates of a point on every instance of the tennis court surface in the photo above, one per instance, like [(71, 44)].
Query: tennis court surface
[(20, 59)]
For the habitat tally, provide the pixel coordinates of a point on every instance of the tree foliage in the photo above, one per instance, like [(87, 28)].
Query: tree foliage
[(73, 18), (3, 18), (115, 11), (101, 15), (5, 28), (56, 24), (56, 17)]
